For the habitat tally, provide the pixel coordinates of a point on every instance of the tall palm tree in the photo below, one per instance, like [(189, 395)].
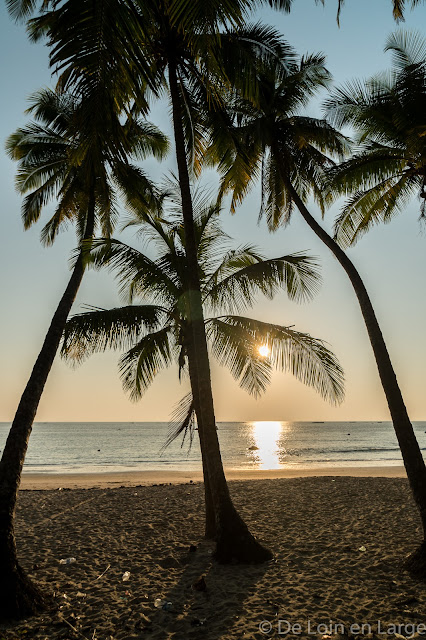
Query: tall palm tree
[(149, 43), (185, 54), (292, 152), (386, 171), (156, 333), (58, 160), (191, 50), (389, 166)]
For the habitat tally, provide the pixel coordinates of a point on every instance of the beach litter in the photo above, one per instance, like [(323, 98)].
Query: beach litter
[(126, 576), (200, 584), (103, 573), (67, 560), (362, 548), (165, 605)]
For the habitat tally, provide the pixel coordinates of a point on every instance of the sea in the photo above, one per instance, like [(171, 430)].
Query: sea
[(91, 447)]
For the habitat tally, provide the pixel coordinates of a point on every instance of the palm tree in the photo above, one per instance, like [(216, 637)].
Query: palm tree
[(57, 159), (175, 46), (290, 151), (389, 166), (156, 332), (150, 43), (387, 170)]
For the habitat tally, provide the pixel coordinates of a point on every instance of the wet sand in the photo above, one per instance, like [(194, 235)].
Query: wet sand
[(133, 478)]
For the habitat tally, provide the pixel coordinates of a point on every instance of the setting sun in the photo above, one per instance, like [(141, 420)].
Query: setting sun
[(264, 351)]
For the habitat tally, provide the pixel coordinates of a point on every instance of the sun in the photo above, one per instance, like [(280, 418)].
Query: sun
[(264, 350)]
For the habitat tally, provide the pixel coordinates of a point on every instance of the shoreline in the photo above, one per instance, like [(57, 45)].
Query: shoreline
[(110, 479)]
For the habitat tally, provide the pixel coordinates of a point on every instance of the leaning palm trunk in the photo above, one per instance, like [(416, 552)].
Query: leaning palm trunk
[(411, 454), (210, 521), (234, 541), (18, 595)]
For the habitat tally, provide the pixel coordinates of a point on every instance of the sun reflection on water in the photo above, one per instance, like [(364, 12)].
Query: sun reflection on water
[(266, 437)]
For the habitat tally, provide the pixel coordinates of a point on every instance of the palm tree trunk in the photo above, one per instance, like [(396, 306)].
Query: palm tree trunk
[(411, 454), (210, 521), (18, 595), (234, 542)]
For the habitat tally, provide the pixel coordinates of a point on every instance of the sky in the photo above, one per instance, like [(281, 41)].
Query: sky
[(391, 260)]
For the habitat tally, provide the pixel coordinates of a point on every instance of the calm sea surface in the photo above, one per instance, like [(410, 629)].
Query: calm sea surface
[(124, 446)]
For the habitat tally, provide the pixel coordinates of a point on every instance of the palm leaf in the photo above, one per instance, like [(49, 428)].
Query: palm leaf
[(101, 329), (139, 366), (235, 347), (408, 48), (307, 358), (182, 422), (136, 273), (244, 273), (372, 206)]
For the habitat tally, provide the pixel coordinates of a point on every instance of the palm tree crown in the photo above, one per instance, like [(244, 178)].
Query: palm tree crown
[(269, 139), (388, 114), (156, 333), (56, 163)]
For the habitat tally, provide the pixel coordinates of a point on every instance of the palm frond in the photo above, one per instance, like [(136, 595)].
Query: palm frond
[(101, 329), (245, 273), (182, 422), (307, 358), (236, 348), (136, 273), (59, 221), (145, 139), (20, 10), (408, 48), (374, 163), (139, 366), (137, 191), (248, 50), (372, 206)]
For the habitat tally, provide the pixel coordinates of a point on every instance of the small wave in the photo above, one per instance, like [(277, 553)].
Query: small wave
[(300, 452)]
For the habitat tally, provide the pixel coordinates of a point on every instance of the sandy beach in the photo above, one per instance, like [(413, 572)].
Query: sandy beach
[(338, 544), (134, 478)]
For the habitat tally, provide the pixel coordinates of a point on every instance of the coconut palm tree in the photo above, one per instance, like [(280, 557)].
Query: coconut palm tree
[(292, 152), (156, 331), (386, 171), (176, 44), (58, 161), (191, 51), (389, 166)]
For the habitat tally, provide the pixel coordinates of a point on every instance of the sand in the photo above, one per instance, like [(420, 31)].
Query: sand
[(316, 527), (133, 478)]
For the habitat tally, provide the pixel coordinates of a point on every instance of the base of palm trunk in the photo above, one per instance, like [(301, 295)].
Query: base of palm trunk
[(416, 562), (235, 544), (19, 596)]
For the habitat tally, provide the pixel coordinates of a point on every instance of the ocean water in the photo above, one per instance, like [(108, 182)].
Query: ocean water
[(66, 447)]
